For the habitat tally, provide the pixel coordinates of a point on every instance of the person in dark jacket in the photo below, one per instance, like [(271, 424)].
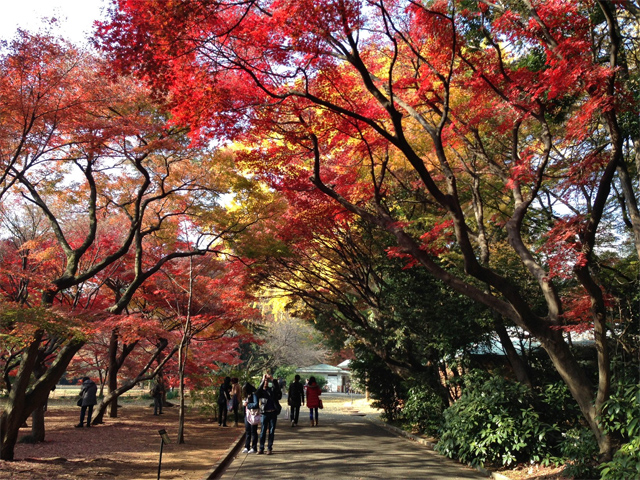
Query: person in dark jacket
[(88, 396), (269, 393), (157, 392), (295, 399), (250, 402), (313, 400), (224, 396)]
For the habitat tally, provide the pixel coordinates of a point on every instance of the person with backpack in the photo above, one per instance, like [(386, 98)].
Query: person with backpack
[(157, 392), (251, 418)]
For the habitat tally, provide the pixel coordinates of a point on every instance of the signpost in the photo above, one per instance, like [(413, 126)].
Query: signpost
[(164, 438)]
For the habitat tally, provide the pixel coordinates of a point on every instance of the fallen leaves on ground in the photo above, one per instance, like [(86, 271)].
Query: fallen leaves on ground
[(127, 447)]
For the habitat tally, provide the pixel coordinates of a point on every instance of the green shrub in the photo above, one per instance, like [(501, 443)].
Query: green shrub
[(385, 387), (321, 381), (206, 399), (494, 423), (423, 410), (287, 372), (580, 450), (171, 394), (558, 407), (620, 411), (388, 400), (625, 463), (620, 416)]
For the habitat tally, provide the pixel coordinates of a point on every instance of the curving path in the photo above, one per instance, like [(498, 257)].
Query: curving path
[(344, 446)]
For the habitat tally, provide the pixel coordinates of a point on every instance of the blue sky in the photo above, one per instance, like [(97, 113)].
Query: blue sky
[(75, 17)]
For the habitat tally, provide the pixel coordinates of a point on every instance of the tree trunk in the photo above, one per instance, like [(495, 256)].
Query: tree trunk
[(115, 364), (579, 385), (37, 423), (445, 378), (630, 200), (22, 403), (182, 363), (37, 416), (517, 364), (599, 313), (112, 374), (14, 413), (181, 411), (113, 395)]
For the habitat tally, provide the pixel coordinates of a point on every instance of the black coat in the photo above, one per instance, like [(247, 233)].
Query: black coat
[(224, 393), (296, 394), (271, 396), (88, 393)]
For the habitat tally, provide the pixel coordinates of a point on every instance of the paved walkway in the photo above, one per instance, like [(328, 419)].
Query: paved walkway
[(344, 446)]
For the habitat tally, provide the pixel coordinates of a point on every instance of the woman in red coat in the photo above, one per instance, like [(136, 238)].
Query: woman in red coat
[(313, 399)]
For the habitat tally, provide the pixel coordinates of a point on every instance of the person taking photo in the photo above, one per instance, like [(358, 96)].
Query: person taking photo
[(269, 394)]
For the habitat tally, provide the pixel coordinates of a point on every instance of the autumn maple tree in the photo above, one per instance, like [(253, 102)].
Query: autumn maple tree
[(508, 122), (204, 306), (117, 185)]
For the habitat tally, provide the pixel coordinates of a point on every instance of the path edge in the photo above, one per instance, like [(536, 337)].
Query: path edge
[(223, 463), (429, 444)]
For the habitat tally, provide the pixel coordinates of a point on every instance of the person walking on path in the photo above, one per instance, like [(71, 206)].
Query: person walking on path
[(295, 399), (269, 393), (250, 402), (224, 396), (313, 400), (236, 396), (157, 392), (87, 400)]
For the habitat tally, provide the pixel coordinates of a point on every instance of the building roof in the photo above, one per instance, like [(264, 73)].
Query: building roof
[(345, 364), (321, 368)]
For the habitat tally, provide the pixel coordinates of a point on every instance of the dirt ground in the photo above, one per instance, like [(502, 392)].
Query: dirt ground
[(535, 472), (127, 447)]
